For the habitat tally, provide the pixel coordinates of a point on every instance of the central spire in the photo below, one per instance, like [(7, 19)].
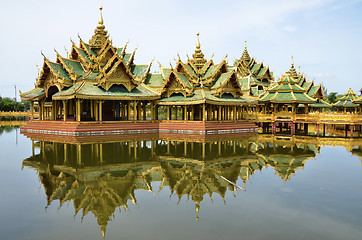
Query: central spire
[(100, 22), (199, 60), (246, 56), (292, 72), (100, 35)]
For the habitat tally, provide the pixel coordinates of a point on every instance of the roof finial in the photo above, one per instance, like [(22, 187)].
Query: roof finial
[(292, 62), (246, 56), (101, 18), (198, 41)]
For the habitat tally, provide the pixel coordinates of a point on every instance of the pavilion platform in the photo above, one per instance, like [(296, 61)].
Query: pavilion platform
[(86, 129)]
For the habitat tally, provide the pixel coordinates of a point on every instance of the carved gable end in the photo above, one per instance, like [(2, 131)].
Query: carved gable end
[(120, 75), (227, 83), (53, 74), (175, 85)]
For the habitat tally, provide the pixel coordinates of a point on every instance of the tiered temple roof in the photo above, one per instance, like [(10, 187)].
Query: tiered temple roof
[(95, 69), (200, 81), (98, 70), (287, 91), (254, 77), (347, 100)]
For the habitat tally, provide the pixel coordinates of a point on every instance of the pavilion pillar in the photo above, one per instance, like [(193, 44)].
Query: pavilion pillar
[(128, 110), (96, 110), (77, 110), (52, 117), (219, 113), (351, 126), (192, 112), (32, 110), (92, 108), (135, 112), (144, 110), (317, 130), (306, 109), (234, 113), (156, 112), (176, 108), (152, 111), (185, 113), (168, 112), (65, 110), (100, 111), (203, 112)]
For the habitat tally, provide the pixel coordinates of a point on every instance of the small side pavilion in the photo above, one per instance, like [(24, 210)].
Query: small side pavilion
[(346, 103)]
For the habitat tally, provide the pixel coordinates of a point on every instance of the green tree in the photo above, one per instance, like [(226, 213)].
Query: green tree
[(332, 97)]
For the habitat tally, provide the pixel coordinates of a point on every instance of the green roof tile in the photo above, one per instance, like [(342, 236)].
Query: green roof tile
[(127, 57), (74, 65), (139, 70), (210, 71), (184, 79), (33, 93), (154, 80), (58, 69), (221, 80)]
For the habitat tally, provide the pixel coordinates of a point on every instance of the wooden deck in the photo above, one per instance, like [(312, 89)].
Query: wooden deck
[(316, 118), (13, 114)]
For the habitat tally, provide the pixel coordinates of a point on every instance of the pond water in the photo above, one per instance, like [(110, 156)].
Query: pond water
[(252, 187)]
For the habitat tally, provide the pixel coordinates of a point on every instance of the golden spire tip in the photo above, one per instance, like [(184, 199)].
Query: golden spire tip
[(198, 41), (101, 18)]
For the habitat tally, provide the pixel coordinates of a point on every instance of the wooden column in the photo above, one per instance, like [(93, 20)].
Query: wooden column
[(152, 111), (96, 110), (203, 112), (129, 110), (144, 110), (77, 109), (65, 110), (185, 113), (192, 112), (156, 112), (100, 111), (32, 110), (168, 112), (92, 108), (135, 112), (234, 113)]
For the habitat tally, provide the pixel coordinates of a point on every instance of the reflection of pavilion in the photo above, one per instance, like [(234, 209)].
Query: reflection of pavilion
[(285, 155), (101, 177)]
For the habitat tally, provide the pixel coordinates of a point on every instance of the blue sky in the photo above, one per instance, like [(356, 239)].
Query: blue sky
[(324, 36)]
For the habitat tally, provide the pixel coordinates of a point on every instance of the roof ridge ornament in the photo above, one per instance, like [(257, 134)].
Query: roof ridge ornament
[(198, 57), (100, 22), (246, 56), (100, 34)]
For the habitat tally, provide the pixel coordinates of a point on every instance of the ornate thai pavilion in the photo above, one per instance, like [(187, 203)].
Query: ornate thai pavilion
[(286, 93), (99, 82), (347, 102)]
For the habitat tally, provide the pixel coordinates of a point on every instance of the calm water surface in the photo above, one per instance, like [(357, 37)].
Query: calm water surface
[(296, 188)]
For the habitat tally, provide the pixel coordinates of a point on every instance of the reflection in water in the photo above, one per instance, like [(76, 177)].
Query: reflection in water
[(101, 177), (8, 128)]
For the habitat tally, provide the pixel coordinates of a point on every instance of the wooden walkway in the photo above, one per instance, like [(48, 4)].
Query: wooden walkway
[(316, 118), (18, 115)]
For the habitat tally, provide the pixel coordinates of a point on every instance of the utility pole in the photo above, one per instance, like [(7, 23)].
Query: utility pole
[(15, 93)]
